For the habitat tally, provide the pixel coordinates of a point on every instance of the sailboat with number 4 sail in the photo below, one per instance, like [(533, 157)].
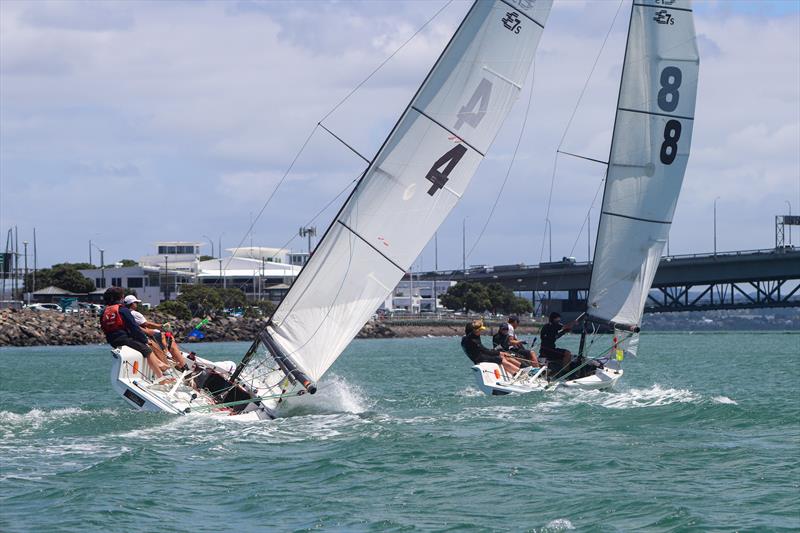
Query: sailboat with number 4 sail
[(648, 157), (406, 192)]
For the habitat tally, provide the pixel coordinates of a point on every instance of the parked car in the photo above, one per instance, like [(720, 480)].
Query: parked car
[(44, 307), (93, 309)]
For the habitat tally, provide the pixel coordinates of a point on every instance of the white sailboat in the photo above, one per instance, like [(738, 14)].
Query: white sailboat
[(649, 152), (406, 192)]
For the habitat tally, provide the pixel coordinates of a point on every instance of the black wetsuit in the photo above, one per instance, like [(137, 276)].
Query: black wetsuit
[(477, 352), (549, 334)]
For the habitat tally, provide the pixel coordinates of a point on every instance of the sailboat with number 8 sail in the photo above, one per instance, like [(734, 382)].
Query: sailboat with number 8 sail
[(409, 187), (647, 162)]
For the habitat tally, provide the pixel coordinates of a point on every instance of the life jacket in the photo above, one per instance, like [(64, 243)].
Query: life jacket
[(111, 320)]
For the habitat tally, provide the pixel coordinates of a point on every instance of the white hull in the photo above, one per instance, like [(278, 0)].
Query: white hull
[(492, 379), (133, 379)]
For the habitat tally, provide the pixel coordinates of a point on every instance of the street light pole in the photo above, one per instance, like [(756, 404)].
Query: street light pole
[(166, 277), (715, 225), (464, 245), (210, 242), (25, 279), (103, 267)]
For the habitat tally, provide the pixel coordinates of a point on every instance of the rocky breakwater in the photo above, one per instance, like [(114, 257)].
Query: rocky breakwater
[(46, 328)]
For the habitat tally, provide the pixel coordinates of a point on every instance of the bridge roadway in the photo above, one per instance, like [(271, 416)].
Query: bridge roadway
[(726, 280)]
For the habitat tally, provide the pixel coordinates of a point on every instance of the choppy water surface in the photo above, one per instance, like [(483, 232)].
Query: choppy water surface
[(702, 434)]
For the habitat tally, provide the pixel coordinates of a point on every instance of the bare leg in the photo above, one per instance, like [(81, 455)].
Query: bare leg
[(510, 365), (154, 365), (177, 356), (161, 357)]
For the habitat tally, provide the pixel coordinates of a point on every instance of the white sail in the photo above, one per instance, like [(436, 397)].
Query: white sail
[(414, 181), (649, 152)]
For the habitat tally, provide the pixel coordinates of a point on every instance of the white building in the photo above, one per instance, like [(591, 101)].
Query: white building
[(174, 255), (417, 296), (273, 255), (257, 278), (152, 284)]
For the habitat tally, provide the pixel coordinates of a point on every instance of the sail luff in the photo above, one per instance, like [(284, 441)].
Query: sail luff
[(648, 156), (415, 179)]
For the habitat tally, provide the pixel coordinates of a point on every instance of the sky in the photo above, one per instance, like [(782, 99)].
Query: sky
[(128, 123)]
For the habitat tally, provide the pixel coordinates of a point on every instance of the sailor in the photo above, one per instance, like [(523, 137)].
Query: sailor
[(160, 340), (517, 345), (121, 329), (505, 341), (557, 358), (478, 353)]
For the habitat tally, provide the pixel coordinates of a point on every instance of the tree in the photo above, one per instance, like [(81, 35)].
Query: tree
[(128, 263), (478, 297), (520, 306), (206, 258), (232, 298), (64, 276), (201, 300), (469, 295), (174, 308)]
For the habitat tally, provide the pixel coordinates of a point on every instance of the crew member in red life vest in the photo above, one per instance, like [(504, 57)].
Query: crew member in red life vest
[(121, 329)]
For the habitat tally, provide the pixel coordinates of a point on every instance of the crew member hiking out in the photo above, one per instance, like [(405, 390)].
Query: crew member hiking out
[(478, 353), (121, 329), (557, 358)]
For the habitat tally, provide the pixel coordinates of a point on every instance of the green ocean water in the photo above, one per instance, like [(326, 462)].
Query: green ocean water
[(702, 434)]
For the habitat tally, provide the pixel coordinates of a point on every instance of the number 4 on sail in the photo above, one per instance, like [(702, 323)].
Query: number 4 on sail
[(413, 182)]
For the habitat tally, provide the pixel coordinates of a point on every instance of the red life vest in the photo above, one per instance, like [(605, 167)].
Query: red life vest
[(111, 320)]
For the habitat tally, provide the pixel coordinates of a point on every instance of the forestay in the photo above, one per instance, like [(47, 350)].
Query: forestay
[(649, 152), (412, 184)]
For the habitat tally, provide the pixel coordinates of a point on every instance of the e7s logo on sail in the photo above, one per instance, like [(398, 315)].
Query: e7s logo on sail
[(512, 22)]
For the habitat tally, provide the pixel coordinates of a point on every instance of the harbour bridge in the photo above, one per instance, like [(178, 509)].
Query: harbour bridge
[(746, 279)]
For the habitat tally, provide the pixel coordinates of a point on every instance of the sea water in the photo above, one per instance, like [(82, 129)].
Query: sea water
[(702, 433)]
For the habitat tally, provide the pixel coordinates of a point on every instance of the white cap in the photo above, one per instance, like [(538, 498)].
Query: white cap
[(129, 299)]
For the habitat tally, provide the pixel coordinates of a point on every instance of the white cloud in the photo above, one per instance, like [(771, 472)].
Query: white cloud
[(194, 110)]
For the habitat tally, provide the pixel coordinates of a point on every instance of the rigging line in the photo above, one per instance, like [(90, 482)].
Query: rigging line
[(342, 101), (272, 195), (582, 157), (510, 165), (569, 124), (365, 80), (321, 125), (324, 208)]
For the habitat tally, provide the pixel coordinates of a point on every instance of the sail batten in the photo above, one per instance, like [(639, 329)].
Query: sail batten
[(648, 157), (416, 178)]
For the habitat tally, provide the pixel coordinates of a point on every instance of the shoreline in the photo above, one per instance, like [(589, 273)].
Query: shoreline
[(21, 328)]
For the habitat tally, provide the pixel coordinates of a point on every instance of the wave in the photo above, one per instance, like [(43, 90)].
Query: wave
[(334, 395)]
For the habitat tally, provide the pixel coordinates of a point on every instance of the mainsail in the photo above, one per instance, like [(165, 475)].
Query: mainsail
[(411, 185), (649, 152)]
